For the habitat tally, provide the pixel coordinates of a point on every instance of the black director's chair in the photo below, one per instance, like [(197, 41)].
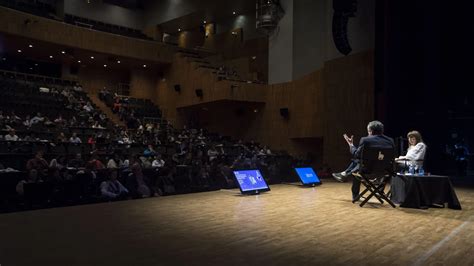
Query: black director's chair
[(377, 166)]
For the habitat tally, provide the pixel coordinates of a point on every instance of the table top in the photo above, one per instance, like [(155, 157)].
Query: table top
[(425, 175)]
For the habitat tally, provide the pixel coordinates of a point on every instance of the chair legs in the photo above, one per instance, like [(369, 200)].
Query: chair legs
[(376, 190), (368, 188)]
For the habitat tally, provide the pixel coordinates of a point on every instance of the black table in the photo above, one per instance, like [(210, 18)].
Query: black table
[(423, 191)]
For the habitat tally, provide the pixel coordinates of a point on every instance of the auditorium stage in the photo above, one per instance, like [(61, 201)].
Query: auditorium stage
[(290, 225)]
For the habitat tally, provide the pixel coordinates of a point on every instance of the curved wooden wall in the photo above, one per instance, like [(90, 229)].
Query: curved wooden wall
[(323, 105)]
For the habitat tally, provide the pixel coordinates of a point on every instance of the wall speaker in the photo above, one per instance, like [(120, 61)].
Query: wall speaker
[(284, 112), (199, 93), (177, 88), (343, 9)]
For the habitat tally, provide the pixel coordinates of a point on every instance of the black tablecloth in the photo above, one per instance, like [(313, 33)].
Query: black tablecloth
[(414, 191)]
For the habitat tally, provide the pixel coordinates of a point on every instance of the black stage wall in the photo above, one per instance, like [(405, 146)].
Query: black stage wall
[(413, 90)]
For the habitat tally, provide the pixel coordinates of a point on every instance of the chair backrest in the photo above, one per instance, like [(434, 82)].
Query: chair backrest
[(377, 160)]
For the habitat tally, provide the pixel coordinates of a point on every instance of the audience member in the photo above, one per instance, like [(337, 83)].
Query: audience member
[(11, 136), (38, 163), (75, 139)]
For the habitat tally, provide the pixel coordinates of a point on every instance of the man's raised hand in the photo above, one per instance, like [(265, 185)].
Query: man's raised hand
[(350, 140)]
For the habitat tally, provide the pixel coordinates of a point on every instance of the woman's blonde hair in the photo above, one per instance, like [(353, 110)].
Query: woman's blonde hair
[(416, 135)]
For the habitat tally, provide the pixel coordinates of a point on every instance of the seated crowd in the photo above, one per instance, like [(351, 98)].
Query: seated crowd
[(80, 156)]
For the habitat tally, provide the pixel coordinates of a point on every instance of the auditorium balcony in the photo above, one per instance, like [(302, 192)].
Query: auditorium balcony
[(74, 36)]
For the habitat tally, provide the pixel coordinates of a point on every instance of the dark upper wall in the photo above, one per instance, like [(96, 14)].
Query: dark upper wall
[(304, 40), (309, 36), (219, 12), (157, 12), (107, 13), (244, 21), (312, 33)]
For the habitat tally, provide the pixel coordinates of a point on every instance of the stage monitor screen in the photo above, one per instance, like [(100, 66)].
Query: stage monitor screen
[(251, 181), (308, 176)]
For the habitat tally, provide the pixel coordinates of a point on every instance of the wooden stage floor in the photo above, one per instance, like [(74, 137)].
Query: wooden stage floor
[(289, 225)]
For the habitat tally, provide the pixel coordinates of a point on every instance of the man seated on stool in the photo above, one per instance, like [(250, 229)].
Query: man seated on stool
[(375, 138)]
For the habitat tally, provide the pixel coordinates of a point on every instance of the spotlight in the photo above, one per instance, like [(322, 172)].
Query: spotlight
[(179, 29), (144, 65), (92, 57), (63, 52), (79, 61), (50, 56), (31, 45), (233, 13), (105, 65), (118, 61), (19, 50), (204, 22)]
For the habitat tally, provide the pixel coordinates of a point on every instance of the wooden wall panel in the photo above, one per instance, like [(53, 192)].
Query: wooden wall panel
[(143, 83), (348, 103), (249, 57), (190, 39), (94, 79), (48, 30), (190, 77)]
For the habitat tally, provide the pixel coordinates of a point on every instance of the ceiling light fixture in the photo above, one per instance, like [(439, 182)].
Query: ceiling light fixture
[(144, 65), (79, 61), (179, 29), (233, 13), (92, 57), (50, 56), (204, 22), (118, 61), (63, 52), (31, 45), (105, 65), (19, 51)]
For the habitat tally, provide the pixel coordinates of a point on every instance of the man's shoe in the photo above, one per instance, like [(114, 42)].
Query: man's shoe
[(339, 177), (361, 198)]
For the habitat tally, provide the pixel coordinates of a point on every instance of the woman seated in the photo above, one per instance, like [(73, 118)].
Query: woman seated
[(415, 153)]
